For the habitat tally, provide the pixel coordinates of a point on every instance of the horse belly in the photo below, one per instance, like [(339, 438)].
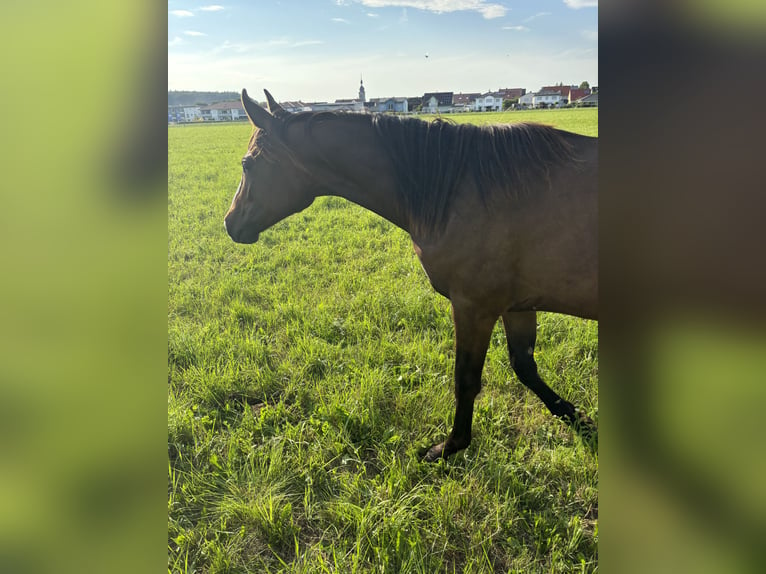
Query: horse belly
[(461, 274), (521, 262)]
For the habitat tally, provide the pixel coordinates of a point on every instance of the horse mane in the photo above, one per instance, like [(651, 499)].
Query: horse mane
[(431, 159)]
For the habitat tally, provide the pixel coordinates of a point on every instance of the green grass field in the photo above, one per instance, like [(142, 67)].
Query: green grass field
[(306, 371)]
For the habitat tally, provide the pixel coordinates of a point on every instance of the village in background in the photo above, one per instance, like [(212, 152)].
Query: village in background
[(186, 107)]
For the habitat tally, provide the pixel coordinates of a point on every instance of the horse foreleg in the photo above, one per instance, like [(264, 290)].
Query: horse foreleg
[(521, 335), (472, 333)]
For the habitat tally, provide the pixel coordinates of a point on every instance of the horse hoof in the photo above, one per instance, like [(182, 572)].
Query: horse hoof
[(445, 449), (434, 453), (584, 425)]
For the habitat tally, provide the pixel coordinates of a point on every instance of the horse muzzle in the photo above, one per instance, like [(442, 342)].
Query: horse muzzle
[(240, 234)]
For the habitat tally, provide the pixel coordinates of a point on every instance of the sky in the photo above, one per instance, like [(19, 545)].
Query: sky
[(319, 50)]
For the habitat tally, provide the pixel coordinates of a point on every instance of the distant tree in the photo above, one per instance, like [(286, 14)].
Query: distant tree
[(188, 98), (585, 86), (509, 103)]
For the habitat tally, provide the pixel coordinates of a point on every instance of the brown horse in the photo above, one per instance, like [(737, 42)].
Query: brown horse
[(502, 218)]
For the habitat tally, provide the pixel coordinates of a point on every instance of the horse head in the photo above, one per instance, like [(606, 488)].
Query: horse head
[(274, 183)]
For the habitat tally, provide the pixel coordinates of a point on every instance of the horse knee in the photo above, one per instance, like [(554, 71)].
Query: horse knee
[(468, 387)]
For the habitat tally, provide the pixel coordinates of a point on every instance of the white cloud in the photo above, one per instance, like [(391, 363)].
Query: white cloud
[(194, 33), (373, 15), (538, 15), (306, 43), (340, 20), (490, 11), (486, 9), (212, 8), (182, 13), (577, 4), (175, 41), (516, 28), (255, 47), (590, 34), (233, 46)]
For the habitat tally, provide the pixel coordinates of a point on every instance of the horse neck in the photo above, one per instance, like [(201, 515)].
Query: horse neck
[(347, 162)]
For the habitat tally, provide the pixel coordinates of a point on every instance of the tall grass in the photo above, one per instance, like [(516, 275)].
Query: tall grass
[(306, 371)]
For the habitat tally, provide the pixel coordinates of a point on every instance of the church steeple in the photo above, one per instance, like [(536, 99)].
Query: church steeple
[(361, 90)]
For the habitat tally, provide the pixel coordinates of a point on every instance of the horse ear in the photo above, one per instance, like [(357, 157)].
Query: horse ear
[(275, 109), (258, 116)]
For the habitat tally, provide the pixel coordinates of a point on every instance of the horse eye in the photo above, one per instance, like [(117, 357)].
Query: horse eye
[(246, 162)]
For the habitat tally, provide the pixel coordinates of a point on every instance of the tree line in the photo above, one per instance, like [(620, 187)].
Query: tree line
[(191, 98)]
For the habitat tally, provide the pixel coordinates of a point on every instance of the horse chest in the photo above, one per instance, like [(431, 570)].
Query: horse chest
[(431, 268)]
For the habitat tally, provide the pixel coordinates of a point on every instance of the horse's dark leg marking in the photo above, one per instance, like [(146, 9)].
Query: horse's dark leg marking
[(472, 332), (521, 335)]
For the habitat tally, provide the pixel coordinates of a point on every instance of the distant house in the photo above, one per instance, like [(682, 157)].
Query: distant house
[(349, 105), (295, 107), (337, 106), (192, 114), (388, 105), (568, 94), (527, 100), (489, 102), (589, 101), (175, 114), (223, 112), (493, 101), (437, 102), (574, 94), (512, 93), (413, 103), (464, 102), (208, 115), (546, 99)]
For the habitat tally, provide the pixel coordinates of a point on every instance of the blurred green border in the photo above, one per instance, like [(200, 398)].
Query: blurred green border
[(83, 289)]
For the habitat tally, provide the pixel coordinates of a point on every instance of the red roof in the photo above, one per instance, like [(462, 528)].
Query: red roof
[(576, 94), (512, 93), (571, 93)]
